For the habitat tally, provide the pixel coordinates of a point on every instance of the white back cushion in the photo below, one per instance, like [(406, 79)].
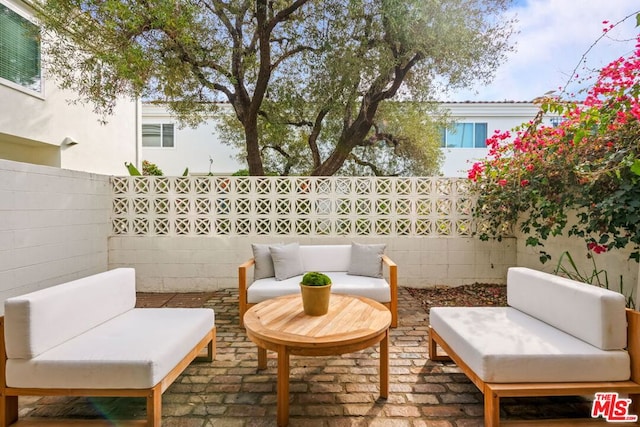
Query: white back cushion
[(593, 314), (38, 321), (326, 257)]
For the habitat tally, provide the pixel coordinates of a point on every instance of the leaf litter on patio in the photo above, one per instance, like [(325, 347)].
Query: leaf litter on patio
[(475, 295)]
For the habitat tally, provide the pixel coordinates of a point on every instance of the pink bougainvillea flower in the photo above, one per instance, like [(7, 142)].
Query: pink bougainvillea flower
[(562, 166), (475, 171), (596, 248)]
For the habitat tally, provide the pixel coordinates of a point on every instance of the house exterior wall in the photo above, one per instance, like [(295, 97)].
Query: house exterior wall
[(193, 148), (500, 116), (54, 226), (33, 126)]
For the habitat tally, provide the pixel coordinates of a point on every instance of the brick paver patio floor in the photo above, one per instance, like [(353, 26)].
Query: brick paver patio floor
[(325, 391)]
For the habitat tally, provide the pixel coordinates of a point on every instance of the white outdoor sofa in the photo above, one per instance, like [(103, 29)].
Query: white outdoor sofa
[(86, 338), (355, 269), (557, 337)]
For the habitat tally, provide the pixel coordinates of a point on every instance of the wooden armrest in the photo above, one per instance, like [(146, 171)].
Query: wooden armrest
[(388, 261), (393, 284), (248, 263), (242, 276), (242, 285)]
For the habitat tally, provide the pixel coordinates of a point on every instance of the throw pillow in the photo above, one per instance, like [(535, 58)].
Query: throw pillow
[(263, 267), (287, 261), (366, 260)]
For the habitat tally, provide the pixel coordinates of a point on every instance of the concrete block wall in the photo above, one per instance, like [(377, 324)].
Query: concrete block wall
[(205, 263), (54, 226)]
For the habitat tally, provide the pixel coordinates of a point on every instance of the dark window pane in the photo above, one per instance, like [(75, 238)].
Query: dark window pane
[(481, 135), (167, 135)]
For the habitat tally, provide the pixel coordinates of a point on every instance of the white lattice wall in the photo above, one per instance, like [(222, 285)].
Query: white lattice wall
[(191, 233), (290, 206)]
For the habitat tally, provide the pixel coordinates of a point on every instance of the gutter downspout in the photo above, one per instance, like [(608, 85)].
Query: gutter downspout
[(138, 137)]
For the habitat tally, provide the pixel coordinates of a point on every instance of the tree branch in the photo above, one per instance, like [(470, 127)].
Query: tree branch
[(374, 169), (285, 13), (389, 138), (299, 123), (315, 132), (290, 53), (289, 163)]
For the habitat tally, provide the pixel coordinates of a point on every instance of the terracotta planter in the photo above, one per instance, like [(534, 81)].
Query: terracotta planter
[(315, 299)]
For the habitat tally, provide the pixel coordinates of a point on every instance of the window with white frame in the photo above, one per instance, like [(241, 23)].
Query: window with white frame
[(159, 135), (20, 61), (465, 135)]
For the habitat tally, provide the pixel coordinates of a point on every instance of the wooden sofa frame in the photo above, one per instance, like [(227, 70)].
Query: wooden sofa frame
[(393, 284), (494, 391), (153, 395)]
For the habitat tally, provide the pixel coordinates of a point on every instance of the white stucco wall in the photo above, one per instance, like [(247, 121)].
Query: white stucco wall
[(54, 226), (40, 125), (193, 146), (33, 126)]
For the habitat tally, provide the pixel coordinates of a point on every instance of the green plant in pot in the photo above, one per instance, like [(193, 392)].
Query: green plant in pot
[(316, 290)]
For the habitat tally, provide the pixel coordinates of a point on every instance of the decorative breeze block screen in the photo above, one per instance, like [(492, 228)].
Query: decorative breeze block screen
[(290, 206)]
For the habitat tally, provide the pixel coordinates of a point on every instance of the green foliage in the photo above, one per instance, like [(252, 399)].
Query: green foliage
[(132, 169), (404, 141), (151, 169), (587, 166), (314, 278), (309, 102)]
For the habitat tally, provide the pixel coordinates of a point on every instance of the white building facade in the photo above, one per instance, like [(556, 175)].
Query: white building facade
[(38, 124), (475, 122), (174, 148)]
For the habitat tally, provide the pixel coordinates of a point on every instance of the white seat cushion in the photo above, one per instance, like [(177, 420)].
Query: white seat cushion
[(504, 345), (134, 350), (342, 283)]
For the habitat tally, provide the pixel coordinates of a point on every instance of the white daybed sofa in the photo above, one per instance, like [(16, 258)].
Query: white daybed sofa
[(557, 337), (355, 269), (85, 338)]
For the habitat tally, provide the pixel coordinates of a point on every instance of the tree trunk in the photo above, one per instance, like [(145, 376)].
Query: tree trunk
[(254, 159), (351, 136)]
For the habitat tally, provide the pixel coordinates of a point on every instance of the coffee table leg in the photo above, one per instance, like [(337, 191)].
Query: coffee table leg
[(262, 358), (283, 386), (384, 365)]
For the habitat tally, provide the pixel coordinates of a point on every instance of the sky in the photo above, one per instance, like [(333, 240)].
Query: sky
[(553, 35)]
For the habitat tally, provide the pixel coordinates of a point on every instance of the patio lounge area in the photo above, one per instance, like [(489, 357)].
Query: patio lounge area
[(325, 391)]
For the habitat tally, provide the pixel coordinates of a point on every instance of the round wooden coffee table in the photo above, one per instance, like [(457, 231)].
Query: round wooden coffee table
[(352, 323)]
